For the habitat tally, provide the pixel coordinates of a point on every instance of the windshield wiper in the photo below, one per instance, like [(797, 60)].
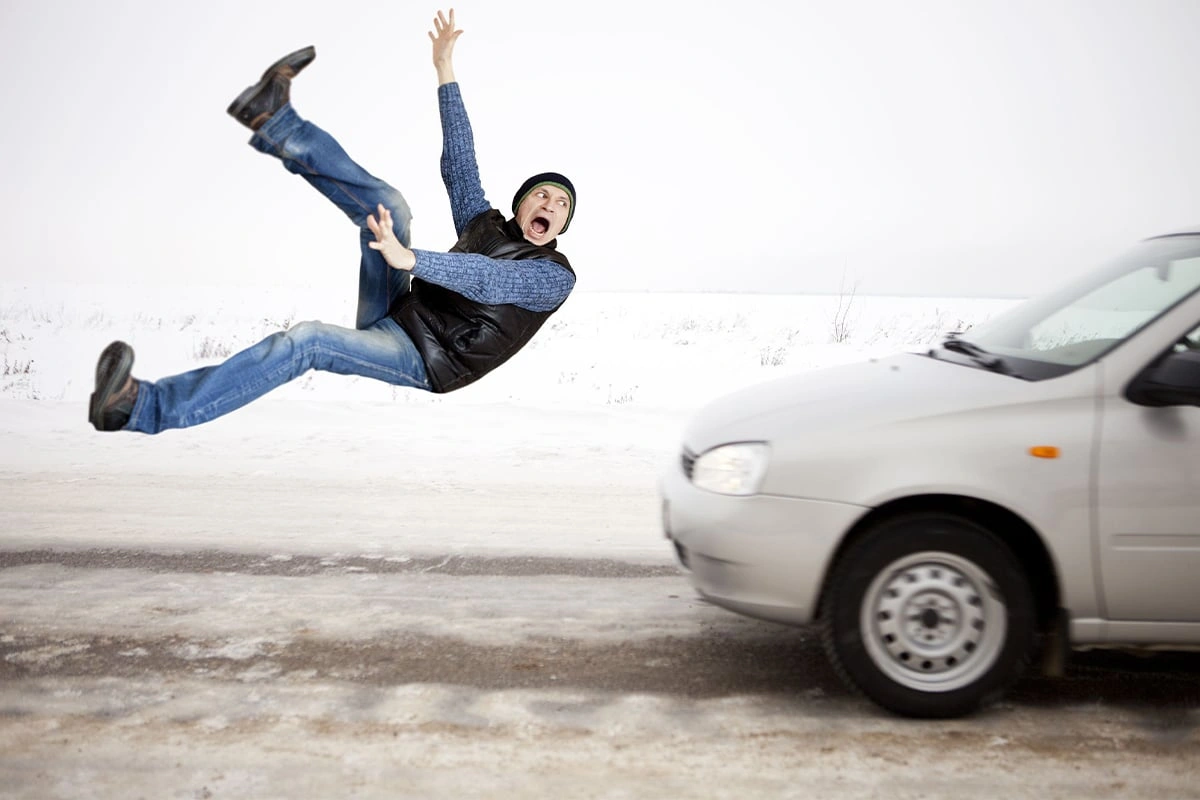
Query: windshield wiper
[(981, 357)]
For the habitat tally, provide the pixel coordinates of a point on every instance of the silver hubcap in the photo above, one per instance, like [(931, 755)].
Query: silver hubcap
[(933, 621)]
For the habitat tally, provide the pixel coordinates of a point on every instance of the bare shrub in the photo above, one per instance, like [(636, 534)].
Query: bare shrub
[(841, 324), (17, 367), (212, 348), (620, 396)]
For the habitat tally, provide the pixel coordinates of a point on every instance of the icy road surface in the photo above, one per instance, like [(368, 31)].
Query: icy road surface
[(441, 601)]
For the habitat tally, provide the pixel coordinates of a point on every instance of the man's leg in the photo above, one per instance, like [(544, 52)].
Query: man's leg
[(383, 352), (313, 154)]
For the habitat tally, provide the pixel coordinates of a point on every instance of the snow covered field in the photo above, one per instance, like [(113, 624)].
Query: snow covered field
[(592, 407), (646, 349)]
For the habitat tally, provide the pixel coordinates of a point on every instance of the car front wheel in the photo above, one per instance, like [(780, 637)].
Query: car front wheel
[(929, 615)]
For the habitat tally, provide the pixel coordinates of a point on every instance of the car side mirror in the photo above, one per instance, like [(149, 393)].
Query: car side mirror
[(1173, 380)]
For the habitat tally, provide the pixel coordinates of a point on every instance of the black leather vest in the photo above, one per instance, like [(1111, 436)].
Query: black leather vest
[(462, 340)]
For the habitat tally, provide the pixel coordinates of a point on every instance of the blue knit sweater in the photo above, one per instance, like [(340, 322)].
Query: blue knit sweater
[(529, 283)]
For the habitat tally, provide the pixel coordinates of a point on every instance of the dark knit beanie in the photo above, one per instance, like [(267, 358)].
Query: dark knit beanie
[(554, 179)]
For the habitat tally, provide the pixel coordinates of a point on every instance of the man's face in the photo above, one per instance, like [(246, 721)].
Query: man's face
[(543, 213)]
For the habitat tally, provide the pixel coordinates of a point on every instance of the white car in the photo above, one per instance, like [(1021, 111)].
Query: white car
[(1032, 481)]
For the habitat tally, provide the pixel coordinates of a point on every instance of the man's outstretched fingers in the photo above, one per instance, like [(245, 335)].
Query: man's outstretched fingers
[(382, 227)]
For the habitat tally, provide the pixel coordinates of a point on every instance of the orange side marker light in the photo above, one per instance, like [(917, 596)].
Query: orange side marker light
[(1043, 451)]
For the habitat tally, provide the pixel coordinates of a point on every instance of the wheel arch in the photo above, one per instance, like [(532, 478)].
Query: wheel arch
[(1021, 537)]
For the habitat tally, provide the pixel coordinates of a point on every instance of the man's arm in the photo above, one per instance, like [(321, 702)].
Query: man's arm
[(534, 283), (460, 172)]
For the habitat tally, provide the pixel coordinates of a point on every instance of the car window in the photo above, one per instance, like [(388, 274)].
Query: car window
[(1109, 313), (1058, 332)]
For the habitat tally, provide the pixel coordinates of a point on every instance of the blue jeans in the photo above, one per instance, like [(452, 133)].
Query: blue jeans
[(376, 348)]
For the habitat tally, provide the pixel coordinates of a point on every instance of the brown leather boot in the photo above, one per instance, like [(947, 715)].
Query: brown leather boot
[(257, 103), (116, 390)]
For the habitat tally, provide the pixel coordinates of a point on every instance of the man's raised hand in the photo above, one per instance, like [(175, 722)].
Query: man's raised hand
[(395, 254), (443, 36)]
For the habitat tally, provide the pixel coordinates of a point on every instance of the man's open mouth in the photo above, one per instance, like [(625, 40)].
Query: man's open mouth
[(539, 225)]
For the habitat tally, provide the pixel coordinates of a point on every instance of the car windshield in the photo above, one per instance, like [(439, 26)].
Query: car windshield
[(1055, 333)]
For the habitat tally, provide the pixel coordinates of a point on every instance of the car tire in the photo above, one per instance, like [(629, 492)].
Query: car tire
[(928, 615)]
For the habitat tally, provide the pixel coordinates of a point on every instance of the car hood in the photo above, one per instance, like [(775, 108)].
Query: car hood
[(901, 387)]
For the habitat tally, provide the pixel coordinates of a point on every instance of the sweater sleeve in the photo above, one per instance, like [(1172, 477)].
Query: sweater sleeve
[(460, 172), (534, 284)]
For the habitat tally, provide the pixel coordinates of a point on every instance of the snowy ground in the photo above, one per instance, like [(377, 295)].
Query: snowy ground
[(600, 348), (594, 405), (343, 590)]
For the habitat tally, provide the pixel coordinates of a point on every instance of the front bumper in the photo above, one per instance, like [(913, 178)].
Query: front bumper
[(763, 556)]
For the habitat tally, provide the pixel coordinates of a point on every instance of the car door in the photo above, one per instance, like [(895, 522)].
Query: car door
[(1148, 508)]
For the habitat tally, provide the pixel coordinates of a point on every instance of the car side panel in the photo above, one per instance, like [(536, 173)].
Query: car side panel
[(984, 455)]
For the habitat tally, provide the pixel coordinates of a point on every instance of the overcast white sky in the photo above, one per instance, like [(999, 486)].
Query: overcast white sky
[(926, 147)]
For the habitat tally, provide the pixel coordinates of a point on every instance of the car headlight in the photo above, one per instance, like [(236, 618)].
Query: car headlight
[(732, 468)]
